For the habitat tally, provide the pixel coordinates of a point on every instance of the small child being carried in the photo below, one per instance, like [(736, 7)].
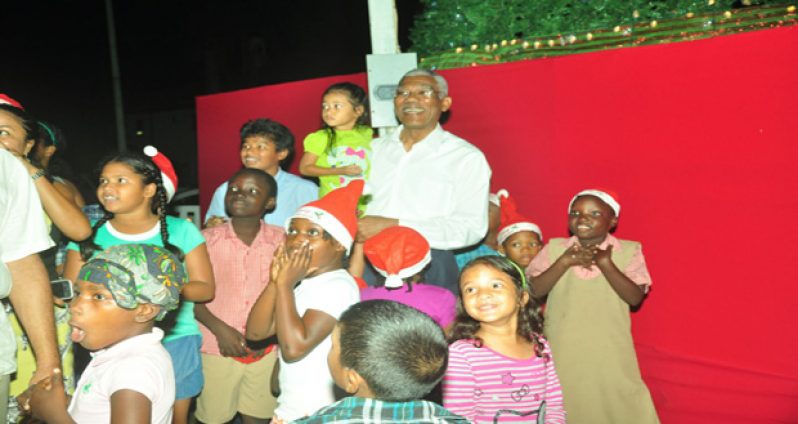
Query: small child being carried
[(120, 292)]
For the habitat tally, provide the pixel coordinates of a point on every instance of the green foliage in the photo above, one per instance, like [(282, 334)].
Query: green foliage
[(447, 24)]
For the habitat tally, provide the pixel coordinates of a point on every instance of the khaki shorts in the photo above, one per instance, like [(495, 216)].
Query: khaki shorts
[(231, 387)]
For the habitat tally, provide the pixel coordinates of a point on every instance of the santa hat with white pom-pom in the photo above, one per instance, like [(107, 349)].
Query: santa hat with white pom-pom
[(168, 174), (396, 253)]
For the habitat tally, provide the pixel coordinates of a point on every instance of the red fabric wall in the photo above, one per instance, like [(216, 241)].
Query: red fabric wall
[(699, 139)]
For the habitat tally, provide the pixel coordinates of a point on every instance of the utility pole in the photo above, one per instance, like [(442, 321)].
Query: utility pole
[(119, 112)]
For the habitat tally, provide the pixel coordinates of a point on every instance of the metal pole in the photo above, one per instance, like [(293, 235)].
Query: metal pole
[(121, 143), (384, 30)]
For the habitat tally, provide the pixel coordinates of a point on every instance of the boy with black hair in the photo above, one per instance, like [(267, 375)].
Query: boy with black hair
[(267, 145), (387, 355)]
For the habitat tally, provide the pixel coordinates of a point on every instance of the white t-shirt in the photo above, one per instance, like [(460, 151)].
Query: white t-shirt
[(306, 385), (22, 233), (439, 188), (140, 364)]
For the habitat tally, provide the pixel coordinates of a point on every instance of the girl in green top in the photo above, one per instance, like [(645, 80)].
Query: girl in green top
[(340, 151)]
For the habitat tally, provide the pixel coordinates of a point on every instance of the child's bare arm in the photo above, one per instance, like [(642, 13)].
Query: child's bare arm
[(574, 255), (308, 167), (130, 407), (297, 335), (626, 289), (73, 264), (231, 341), (260, 323), (201, 286)]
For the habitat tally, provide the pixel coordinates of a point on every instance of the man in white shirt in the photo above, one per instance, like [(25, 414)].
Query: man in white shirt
[(428, 179), (22, 275)]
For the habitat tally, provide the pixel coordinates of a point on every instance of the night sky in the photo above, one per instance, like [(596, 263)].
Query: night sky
[(57, 60)]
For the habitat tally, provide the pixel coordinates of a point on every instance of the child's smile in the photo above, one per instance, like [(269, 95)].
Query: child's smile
[(590, 220), (489, 296)]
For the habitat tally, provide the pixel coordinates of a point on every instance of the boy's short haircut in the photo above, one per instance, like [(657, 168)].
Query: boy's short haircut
[(399, 351), (138, 273), (267, 179), (278, 133)]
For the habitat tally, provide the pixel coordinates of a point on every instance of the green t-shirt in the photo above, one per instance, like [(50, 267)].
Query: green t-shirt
[(352, 147), (182, 234)]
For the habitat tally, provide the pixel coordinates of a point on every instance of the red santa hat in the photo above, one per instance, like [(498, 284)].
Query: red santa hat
[(336, 213), (607, 196), (168, 174), (5, 99), (396, 253), (513, 222), (496, 198)]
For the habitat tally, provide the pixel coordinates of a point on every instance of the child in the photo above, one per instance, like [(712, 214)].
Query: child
[(134, 190), (241, 251), (519, 239), (119, 293), (340, 151), (309, 290), (401, 255), (489, 244), (500, 367), (387, 356), (592, 279), (267, 145)]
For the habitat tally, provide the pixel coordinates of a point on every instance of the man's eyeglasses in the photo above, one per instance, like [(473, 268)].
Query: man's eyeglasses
[(425, 93)]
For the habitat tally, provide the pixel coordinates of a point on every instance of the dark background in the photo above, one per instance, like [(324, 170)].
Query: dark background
[(56, 62)]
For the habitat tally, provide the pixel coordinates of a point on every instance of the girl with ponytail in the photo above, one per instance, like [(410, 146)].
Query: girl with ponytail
[(134, 190)]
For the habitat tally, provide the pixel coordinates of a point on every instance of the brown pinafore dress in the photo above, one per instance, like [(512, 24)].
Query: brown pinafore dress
[(589, 330)]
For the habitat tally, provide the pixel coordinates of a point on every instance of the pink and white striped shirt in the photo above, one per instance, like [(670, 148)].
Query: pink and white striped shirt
[(482, 384)]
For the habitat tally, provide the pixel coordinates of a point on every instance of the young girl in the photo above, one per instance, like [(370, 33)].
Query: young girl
[(134, 192), (401, 254), (500, 367), (592, 279), (340, 151), (308, 292), (120, 292), (519, 238)]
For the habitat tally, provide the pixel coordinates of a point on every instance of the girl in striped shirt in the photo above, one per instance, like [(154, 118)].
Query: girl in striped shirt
[(500, 367)]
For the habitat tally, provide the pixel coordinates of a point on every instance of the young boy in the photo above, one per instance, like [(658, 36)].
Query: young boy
[(266, 145), (519, 239), (387, 356), (241, 252), (119, 294)]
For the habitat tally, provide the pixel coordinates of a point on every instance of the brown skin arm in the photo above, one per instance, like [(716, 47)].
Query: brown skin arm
[(66, 215), (32, 300), (47, 401), (130, 407), (201, 286), (68, 190), (308, 168), (72, 265), (371, 225), (231, 341), (573, 256), (626, 289), (297, 335)]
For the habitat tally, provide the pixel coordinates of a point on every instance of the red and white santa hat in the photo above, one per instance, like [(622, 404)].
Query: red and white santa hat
[(336, 212), (396, 253), (168, 174), (495, 198), (513, 222), (607, 196), (5, 99)]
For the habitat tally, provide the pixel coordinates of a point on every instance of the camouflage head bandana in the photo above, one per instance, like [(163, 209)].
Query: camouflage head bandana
[(138, 273)]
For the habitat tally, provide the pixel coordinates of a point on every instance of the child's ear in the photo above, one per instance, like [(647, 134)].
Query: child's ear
[(524, 297), (501, 250), (282, 154), (354, 381), (270, 204), (146, 312), (150, 190), (359, 111), (613, 222)]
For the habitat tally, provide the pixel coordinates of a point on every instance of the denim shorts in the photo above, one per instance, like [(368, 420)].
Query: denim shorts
[(187, 363)]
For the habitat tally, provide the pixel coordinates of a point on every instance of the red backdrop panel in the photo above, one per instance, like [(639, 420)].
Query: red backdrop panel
[(699, 140)]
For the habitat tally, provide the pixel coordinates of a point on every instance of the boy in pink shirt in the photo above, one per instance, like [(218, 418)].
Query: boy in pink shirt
[(241, 252)]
